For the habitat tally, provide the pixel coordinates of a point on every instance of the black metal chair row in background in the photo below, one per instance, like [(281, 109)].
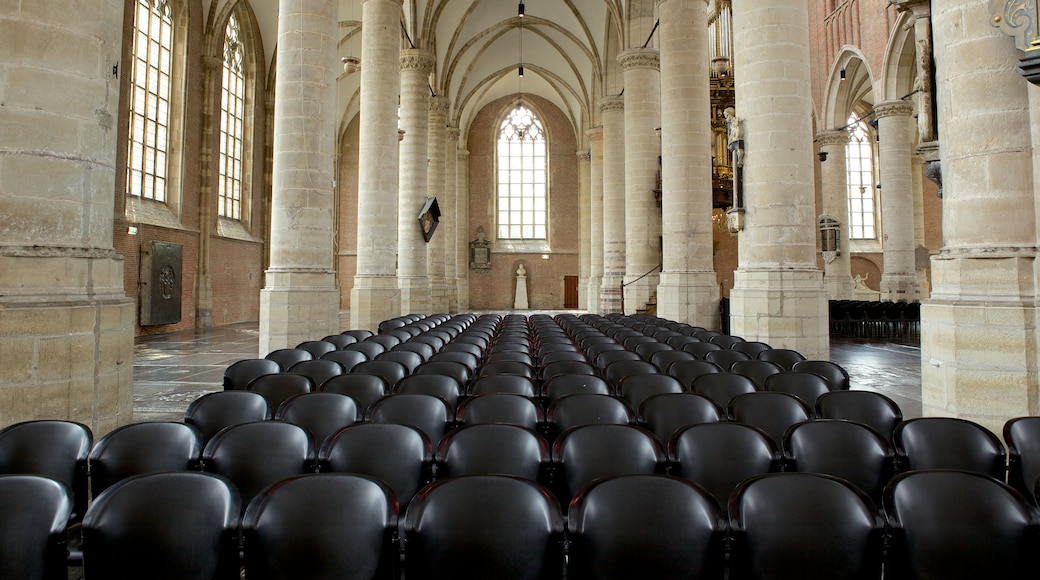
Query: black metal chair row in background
[(875, 319)]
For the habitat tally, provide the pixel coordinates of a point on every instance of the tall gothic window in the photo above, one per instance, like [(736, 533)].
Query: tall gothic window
[(150, 100), (232, 123), (522, 199), (859, 156)]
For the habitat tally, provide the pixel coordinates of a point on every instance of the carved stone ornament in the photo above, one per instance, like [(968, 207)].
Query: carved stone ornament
[(1016, 18), (829, 257), (417, 59), (640, 58), (480, 253)]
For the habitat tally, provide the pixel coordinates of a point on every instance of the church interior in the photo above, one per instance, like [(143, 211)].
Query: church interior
[(488, 184)]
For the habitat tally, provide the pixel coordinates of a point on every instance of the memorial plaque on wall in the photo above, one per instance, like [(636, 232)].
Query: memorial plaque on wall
[(161, 283)]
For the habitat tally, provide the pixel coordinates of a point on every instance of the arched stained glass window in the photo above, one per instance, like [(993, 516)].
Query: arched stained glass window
[(522, 164), (232, 123), (859, 158), (148, 141)]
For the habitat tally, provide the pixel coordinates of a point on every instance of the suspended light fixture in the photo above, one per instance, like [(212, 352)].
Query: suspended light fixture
[(521, 71), (520, 11)]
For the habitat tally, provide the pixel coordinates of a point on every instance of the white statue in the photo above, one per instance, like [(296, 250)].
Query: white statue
[(521, 272), (861, 282), (735, 136), (520, 297)]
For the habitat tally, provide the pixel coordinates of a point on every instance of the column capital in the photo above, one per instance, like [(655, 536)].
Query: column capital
[(210, 62), (595, 133), (919, 8), (439, 105), (453, 133), (463, 154), (832, 138), (417, 59), (584, 156), (895, 108), (640, 58), (612, 103)]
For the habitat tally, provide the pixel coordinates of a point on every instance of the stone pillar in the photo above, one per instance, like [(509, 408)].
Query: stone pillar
[(895, 126), (837, 269), (642, 72), (595, 219), (375, 296), (921, 11), (585, 234), (613, 117), (777, 295), (979, 328), (689, 289), (435, 171), (66, 324), (412, 258), (300, 300), (920, 266), (462, 232), (450, 219)]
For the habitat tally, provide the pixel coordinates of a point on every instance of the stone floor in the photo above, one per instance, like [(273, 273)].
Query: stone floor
[(173, 369)]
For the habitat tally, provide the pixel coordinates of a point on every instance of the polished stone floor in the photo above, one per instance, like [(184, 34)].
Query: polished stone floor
[(171, 370)]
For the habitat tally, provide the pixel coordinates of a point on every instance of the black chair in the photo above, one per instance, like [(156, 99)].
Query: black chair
[(726, 357), (443, 386), (238, 374), (720, 388), (806, 386), (507, 367), (423, 349), (1022, 435), (287, 357), (52, 448), (255, 455), (751, 347), (320, 413), (630, 342), (719, 456), (140, 448), (213, 412), (645, 526), (391, 370), (561, 354), (462, 373), (806, 526), (949, 443), (279, 387), (666, 413), (364, 388), (34, 510), (371, 349), (488, 449), (664, 358), (835, 374), (340, 340), (434, 341), (514, 384), (581, 409), (634, 389), (500, 408), (411, 360), (589, 452), (484, 526), (606, 358), (574, 384), (322, 525), (360, 333), (430, 414), (400, 455), (619, 370), (959, 525), (511, 355), (348, 359), (725, 340), (319, 370), (567, 367), (648, 349), (317, 347), (756, 370), (470, 361), (461, 344), (770, 412), (784, 357), (389, 341), (847, 450), (688, 370), (167, 526), (867, 407), (678, 341), (700, 349)]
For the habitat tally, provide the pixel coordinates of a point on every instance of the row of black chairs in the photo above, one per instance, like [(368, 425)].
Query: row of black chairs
[(931, 524), (875, 319)]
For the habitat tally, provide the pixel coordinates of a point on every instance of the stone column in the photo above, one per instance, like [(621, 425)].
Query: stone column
[(689, 289), (412, 258), (837, 269), (450, 220), (595, 136), (979, 328), (585, 234), (435, 171), (300, 300), (921, 11), (613, 118), (895, 126), (375, 296), (462, 231), (920, 266), (641, 69), (66, 324), (778, 295)]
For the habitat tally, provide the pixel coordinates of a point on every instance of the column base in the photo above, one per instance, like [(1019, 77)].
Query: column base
[(899, 287), (979, 340), (374, 299), (689, 297), (67, 344), (783, 308), (297, 305)]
